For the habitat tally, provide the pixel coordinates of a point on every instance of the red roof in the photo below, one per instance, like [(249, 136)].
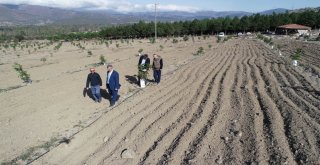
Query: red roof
[(295, 26)]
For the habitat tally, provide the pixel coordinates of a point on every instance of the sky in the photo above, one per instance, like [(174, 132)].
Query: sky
[(172, 5)]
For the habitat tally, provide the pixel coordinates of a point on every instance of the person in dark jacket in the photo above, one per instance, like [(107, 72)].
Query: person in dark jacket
[(95, 82), (157, 67), (144, 60), (113, 84)]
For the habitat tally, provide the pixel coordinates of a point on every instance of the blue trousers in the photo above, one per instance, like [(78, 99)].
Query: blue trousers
[(95, 90), (157, 76), (113, 94)]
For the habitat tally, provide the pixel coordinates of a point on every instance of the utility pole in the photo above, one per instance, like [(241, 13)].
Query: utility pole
[(155, 22)]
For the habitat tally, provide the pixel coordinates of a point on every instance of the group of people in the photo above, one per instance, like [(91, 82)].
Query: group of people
[(157, 65), (113, 85)]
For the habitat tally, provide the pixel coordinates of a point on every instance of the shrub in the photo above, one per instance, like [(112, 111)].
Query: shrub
[(57, 47), (200, 51), (297, 55), (43, 59), (271, 43), (204, 37), (209, 46), (185, 38), (117, 45), (260, 36), (89, 53), (22, 73), (219, 39), (278, 47), (102, 60), (161, 47), (143, 71), (152, 40), (175, 41), (140, 51)]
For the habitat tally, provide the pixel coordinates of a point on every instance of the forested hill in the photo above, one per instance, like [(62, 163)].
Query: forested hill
[(253, 23), (12, 15)]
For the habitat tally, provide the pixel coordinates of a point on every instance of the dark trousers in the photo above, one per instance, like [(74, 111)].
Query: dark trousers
[(95, 90), (113, 94), (157, 76)]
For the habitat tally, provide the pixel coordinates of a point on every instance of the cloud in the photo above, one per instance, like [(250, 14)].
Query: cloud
[(116, 5)]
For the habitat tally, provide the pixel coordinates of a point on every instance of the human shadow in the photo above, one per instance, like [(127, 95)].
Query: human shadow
[(135, 80), (103, 92), (132, 79)]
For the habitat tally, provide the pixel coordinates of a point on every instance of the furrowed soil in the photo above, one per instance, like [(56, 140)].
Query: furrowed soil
[(239, 103)]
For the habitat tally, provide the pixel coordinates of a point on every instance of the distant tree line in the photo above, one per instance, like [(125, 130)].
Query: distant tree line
[(253, 23), (18, 33)]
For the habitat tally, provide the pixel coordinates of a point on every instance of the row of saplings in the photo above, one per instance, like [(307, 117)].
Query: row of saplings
[(25, 76), (295, 57)]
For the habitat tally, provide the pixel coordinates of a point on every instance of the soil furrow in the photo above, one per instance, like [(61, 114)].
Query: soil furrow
[(195, 116), (195, 145)]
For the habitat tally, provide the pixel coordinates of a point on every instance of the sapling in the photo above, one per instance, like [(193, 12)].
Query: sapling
[(200, 51), (89, 53), (22, 73), (43, 59), (219, 39), (102, 60), (143, 74), (143, 71), (296, 57), (204, 37), (140, 51), (161, 47), (152, 40), (175, 41), (185, 38)]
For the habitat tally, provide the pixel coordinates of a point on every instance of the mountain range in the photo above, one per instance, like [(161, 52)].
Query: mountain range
[(18, 15)]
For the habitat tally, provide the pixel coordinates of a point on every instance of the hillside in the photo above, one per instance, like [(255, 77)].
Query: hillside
[(12, 15)]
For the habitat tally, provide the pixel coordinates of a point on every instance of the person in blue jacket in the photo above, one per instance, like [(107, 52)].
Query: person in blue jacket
[(113, 84)]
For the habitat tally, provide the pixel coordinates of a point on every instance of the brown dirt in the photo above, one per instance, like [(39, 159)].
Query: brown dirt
[(240, 103)]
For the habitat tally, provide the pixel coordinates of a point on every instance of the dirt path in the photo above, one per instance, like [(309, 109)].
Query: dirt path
[(237, 104)]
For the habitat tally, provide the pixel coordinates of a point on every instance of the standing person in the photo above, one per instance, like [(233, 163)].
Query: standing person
[(95, 82), (157, 67), (143, 65), (113, 85)]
